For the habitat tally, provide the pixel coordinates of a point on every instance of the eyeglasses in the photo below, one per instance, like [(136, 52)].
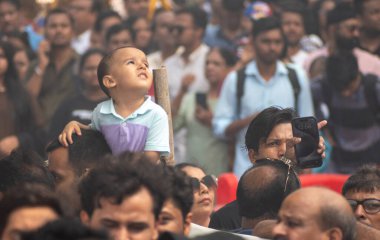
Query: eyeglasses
[(177, 28), (370, 205), (209, 180)]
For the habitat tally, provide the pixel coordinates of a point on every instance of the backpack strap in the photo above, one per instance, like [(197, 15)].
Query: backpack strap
[(240, 89), (370, 92), (293, 78)]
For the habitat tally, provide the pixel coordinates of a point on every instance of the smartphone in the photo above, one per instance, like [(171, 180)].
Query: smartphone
[(201, 99), (306, 128)]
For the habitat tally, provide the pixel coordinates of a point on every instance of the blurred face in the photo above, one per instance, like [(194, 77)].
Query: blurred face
[(204, 197), (268, 46), (82, 13), (171, 219), (347, 34), (130, 71), (58, 30), (276, 145), (27, 219), (231, 19), (143, 33), (163, 22), (371, 16), (297, 220), (132, 219), (21, 62), (61, 169), (136, 7), (292, 25), (216, 69), (3, 63), (9, 17), (89, 71), (120, 39), (106, 24), (183, 30), (371, 219)]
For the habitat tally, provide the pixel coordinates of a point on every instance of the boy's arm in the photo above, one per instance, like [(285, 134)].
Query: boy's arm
[(152, 156), (72, 127)]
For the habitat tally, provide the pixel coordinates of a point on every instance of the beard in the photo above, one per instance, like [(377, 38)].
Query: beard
[(346, 44)]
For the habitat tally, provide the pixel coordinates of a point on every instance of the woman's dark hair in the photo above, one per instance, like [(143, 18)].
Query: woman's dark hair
[(228, 56), (23, 115)]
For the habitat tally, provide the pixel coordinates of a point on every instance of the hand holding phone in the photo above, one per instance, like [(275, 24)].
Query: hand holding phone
[(306, 151), (201, 100)]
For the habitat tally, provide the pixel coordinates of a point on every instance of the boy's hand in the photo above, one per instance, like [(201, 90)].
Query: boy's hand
[(72, 127), (203, 115)]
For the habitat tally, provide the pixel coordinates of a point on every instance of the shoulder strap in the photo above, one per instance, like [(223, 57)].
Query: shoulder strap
[(293, 78), (370, 91), (239, 89)]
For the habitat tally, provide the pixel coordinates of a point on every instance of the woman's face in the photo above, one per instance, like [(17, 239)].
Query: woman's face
[(3, 62), (143, 33), (21, 63), (216, 69), (89, 71), (204, 198)]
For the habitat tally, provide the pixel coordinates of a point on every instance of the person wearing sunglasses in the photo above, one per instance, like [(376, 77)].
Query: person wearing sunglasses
[(204, 189)]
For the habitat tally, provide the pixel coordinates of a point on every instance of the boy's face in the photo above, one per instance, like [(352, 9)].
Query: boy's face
[(130, 71)]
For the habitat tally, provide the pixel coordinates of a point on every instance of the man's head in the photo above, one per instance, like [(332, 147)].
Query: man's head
[(315, 213), (137, 8), (124, 69), (231, 14), (118, 35), (362, 190), (175, 215), (369, 15), (269, 132), (162, 21), (273, 181), (292, 21), (343, 27), (104, 21), (25, 208), (124, 197), (59, 28), (10, 15), (84, 13), (268, 40), (342, 72), (189, 26)]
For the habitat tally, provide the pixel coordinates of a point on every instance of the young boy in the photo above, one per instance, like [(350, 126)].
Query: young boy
[(129, 121)]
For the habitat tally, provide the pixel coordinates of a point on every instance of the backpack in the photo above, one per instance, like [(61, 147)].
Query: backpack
[(292, 76), (369, 83)]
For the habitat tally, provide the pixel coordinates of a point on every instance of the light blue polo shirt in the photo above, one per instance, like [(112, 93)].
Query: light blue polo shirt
[(146, 129)]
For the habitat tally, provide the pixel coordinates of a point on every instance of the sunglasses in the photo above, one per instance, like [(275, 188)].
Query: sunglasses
[(370, 205), (209, 181)]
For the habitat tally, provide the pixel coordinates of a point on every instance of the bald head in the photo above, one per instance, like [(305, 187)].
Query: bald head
[(321, 211)]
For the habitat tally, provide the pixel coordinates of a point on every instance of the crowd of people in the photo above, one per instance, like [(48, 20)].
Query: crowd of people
[(83, 142)]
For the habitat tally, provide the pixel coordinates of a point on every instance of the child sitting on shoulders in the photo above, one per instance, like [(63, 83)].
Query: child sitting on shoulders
[(129, 120)]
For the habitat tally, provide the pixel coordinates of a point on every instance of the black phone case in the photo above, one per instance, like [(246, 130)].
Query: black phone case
[(306, 151), (201, 99)]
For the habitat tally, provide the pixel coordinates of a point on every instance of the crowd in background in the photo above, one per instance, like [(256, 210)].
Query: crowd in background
[(238, 72)]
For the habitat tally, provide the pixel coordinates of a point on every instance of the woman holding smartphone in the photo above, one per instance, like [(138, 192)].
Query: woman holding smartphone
[(196, 112)]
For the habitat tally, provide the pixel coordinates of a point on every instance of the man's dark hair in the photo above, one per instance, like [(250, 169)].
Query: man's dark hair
[(366, 179), (180, 191), (122, 177), (65, 229), (26, 195), (56, 11), (341, 69), (98, 25), (265, 24), (23, 166), (296, 7), (198, 15), (15, 3), (98, 6), (115, 29), (263, 187), (341, 12), (181, 166), (86, 151), (263, 124), (331, 217), (233, 5)]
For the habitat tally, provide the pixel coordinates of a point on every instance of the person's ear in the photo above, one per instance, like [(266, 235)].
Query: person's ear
[(252, 155), (334, 234), (187, 224), (108, 81), (85, 219)]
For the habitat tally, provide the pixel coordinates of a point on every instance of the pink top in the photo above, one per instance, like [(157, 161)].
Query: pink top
[(368, 63)]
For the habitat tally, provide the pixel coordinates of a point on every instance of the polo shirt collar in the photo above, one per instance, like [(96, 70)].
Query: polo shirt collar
[(109, 108)]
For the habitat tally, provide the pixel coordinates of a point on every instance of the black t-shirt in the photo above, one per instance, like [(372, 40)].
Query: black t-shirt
[(227, 218)]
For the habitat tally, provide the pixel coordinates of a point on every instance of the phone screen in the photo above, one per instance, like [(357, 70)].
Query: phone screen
[(306, 151), (201, 99)]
